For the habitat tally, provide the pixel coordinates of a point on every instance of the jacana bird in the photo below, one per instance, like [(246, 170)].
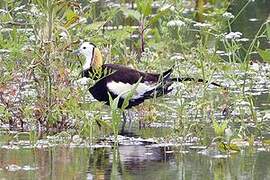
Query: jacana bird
[(117, 79)]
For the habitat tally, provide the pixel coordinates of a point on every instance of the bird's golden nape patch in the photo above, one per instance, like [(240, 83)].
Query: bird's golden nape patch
[(97, 59)]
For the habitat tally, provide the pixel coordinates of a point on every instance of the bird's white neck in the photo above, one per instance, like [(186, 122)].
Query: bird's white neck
[(87, 63)]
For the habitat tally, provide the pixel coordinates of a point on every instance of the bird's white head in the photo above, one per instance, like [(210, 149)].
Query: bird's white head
[(92, 55), (87, 49)]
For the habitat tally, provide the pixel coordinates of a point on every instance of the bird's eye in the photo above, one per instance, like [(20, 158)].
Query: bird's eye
[(84, 47)]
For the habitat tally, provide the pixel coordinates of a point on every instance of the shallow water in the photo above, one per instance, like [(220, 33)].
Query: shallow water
[(131, 162)]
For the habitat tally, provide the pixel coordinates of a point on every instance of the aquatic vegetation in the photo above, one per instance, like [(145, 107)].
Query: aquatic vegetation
[(43, 95)]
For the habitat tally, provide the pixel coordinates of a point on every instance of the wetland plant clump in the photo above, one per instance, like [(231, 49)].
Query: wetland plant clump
[(42, 93)]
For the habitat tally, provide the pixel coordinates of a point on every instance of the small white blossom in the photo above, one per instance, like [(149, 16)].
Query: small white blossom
[(135, 36), (255, 66), (3, 11), (109, 28), (155, 4), (228, 15), (233, 35), (35, 11), (177, 56), (172, 8), (114, 5), (167, 7), (4, 51), (19, 8), (76, 139), (32, 38), (13, 167), (228, 54), (83, 81), (29, 168), (199, 24), (220, 52), (176, 23), (63, 35), (82, 20), (242, 40)]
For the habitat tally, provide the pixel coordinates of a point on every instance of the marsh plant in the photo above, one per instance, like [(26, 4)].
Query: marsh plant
[(39, 88)]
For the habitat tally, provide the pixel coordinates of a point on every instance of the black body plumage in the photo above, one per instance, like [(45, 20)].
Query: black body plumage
[(120, 74)]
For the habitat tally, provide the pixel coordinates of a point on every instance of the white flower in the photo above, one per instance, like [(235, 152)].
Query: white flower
[(220, 52), (172, 8), (199, 24), (155, 4), (3, 11), (233, 35), (228, 15), (135, 36), (19, 8), (114, 5), (177, 56), (255, 66), (177, 23), (83, 81), (63, 35), (82, 20), (13, 167), (76, 139), (29, 168), (242, 40), (35, 11), (32, 38), (167, 6)]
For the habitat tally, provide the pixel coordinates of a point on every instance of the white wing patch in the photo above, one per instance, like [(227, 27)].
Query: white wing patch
[(122, 89)]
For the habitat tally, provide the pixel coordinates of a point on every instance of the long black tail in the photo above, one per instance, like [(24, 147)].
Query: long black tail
[(178, 79)]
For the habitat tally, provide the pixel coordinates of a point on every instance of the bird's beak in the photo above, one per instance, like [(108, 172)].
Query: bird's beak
[(77, 52)]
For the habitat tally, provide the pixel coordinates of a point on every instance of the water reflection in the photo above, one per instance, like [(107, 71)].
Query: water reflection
[(131, 162)]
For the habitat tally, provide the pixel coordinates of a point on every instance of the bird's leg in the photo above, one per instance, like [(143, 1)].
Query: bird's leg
[(124, 122)]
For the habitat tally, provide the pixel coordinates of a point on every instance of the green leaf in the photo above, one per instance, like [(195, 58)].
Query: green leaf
[(131, 13), (223, 147), (145, 7), (234, 147), (103, 124), (266, 142), (154, 19), (224, 125), (96, 25), (120, 35), (251, 140), (72, 17), (268, 31), (265, 54), (220, 128), (130, 94)]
